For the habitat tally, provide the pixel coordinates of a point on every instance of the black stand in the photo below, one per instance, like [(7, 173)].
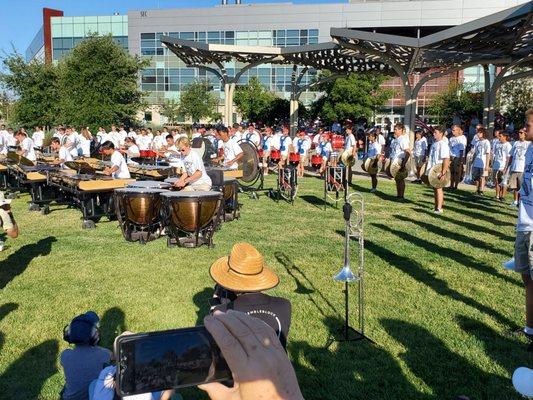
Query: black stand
[(348, 333)]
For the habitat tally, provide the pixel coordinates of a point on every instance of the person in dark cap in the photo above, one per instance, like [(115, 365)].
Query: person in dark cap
[(83, 363)]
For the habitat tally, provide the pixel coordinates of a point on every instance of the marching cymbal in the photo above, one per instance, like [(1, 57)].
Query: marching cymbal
[(347, 157), (433, 177), (397, 172), (371, 165), (363, 165), (386, 167)]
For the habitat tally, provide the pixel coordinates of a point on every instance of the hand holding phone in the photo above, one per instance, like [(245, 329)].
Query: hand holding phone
[(254, 355)]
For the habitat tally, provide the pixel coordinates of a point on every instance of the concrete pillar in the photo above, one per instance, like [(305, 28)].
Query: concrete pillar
[(486, 95), (491, 111), (293, 116), (409, 119), (230, 103), (226, 105)]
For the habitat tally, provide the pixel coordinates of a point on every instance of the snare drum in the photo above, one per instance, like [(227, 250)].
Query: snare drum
[(316, 161), (191, 217), (294, 159), (337, 142), (275, 155), (138, 212), (150, 184)]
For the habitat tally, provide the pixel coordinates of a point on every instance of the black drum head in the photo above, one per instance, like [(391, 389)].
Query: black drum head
[(249, 163)]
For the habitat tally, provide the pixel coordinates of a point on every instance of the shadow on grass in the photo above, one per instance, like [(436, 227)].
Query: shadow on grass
[(380, 194), (313, 200), (489, 206), (348, 371), (5, 309), (454, 236), (40, 362), (201, 300), (112, 324), (501, 349), (17, 262), (465, 224), (439, 286), (448, 374), (294, 271)]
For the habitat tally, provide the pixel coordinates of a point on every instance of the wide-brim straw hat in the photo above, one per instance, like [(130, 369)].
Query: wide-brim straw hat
[(244, 270), (433, 177)]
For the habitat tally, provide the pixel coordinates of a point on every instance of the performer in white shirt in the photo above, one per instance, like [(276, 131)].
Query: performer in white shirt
[(301, 145), (265, 147), (439, 154), (64, 154), (350, 145), (457, 145), (102, 136), (3, 140), (38, 137), (232, 152), (131, 149), (251, 135), (419, 153), (71, 141), (143, 141), (400, 152), (194, 177), (500, 162), (119, 168), (26, 146), (480, 166), (283, 144), (85, 140), (324, 150), (374, 152), (516, 165)]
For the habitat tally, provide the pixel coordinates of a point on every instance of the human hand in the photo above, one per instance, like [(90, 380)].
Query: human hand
[(254, 354), (180, 183)]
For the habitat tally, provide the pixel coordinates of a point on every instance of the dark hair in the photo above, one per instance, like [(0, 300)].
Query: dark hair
[(399, 125), (459, 126), (236, 125), (440, 128), (169, 136), (222, 129), (56, 140), (130, 139), (107, 146)]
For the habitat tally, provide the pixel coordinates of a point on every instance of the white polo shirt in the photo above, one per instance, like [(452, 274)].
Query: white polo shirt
[(27, 147), (64, 154), (117, 160), (38, 138)]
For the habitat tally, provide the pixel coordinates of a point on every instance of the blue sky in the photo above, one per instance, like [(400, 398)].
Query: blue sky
[(21, 19)]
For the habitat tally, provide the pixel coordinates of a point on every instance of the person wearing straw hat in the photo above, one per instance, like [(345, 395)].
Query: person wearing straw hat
[(439, 154), (7, 221), (241, 278)]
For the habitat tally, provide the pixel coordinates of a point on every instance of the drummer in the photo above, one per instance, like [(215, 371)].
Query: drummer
[(131, 149), (419, 153), (266, 145), (350, 145), (119, 168), (374, 152), (252, 135), (63, 153), (171, 153), (194, 178), (324, 150), (231, 151), (439, 154), (400, 152), (282, 144), (301, 145), (26, 146)]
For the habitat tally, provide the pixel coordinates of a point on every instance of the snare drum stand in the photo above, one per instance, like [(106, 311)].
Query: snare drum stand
[(353, 229)]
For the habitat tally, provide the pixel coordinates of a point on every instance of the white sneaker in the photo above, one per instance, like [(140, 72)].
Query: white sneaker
[(514, 204), (439, 211)]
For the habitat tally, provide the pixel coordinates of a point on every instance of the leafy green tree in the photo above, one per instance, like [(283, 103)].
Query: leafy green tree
[(254, 101), (354, 96), (198, 102), (6, 106), (36, 88), (171, 110), (99, 83), (514, 98), (456, 98)]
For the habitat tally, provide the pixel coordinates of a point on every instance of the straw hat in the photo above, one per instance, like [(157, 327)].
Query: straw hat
[(243, 271), (433, 177)]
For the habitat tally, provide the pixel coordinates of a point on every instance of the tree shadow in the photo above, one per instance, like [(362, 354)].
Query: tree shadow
[(349, 370), (201, 300), (112, 324), (480, 244), (5, 309), (16, 263), (40, 361), (439, 286), (465, 224), (293, 270), (447, 374), (498, 347)]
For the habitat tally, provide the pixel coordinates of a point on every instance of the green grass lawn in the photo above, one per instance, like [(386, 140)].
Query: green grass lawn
[(438, 303)]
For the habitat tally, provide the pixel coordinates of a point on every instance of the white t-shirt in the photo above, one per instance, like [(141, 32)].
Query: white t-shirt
[(481, 149), (349, 141), (457, 144), (102, 137), (84, 146), (439, 151), (3, 142), (117, 160), (253, 137), (493, 144), (374, 149), (282, 144), (132, 134), (501, 154), (143, 142), (324, 149), (10, 139), (266, 142), (38, 138), (64, 154), (421, 147), (301, 145), (71, 142), (158, 142), (525, 206), (192, 163), (518, 152), (133, 151), (174, 160), (231, 150), (27, 147), (381, 140), (398, 147)]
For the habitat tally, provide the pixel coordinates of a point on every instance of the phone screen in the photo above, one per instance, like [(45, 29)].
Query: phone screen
[(154, 361)]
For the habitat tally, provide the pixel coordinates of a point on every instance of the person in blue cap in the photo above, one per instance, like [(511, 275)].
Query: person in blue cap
[(83, 363)]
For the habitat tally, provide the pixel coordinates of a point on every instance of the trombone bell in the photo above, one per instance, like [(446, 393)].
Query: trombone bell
[(346, 275)]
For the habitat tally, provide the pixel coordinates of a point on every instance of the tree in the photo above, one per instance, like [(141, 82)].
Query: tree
[(254, 101), (6, 106), (99, 83), (354, 96), (198, 102), (171, 110), (514, 98), (456, 98), (36, 87)]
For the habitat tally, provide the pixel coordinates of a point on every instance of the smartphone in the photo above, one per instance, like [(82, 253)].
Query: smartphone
[(155, 361)]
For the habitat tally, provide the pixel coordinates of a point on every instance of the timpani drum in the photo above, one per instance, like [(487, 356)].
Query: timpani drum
[(138, 212), (150, 184), (191, 218), (231, 202)]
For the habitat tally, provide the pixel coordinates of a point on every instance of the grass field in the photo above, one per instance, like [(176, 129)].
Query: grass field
[(438, 303)]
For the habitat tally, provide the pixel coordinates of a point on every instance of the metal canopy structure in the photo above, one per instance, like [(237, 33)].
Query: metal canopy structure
[(323, 56), (503, 39)]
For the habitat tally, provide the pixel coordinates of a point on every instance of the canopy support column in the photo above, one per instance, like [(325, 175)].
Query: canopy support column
[(486, 95)]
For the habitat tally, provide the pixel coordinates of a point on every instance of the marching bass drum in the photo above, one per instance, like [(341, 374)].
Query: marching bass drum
[(433, 177)]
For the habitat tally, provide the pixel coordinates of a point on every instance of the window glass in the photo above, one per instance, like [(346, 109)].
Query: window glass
[(313, 32), (313, 40), (56, 30), (91, 28), (104, 19), (230, 34), (116, 29), (148, 52), (264, 34), (280, 34), (104, 28), (303, 32), (68, 43), (293, 41), (264, 42), (202, 36), (241, 34), (187, 35), (57, 43), (91, 20), (292, 33), (67, 30), (147, 36), (187, 72)]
